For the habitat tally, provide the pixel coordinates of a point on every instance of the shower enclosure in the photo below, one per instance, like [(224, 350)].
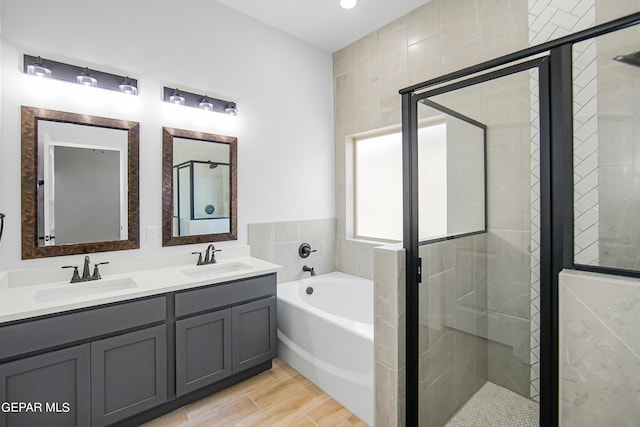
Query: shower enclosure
[(511, 190), (201, 198)]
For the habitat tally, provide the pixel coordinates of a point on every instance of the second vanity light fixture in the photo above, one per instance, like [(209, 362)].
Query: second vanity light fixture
[(204, 102), (46, 68)]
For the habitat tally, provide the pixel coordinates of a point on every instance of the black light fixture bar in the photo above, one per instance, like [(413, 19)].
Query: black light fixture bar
[(194, 100), (69, 73)]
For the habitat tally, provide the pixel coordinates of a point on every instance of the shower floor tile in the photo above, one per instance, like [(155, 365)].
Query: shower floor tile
[(495, 406)]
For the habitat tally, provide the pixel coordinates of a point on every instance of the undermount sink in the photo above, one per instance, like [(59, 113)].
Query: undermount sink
[(83, 289), (207, 271)]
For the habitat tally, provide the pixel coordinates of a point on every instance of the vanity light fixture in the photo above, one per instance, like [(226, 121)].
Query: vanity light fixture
[(348, 4), (203, 102), (86, 79), (127, 87), (36, 66), (176, 98), (231, 109)]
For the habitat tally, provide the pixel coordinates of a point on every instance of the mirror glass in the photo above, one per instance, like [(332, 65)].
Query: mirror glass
[(79, 183), (81, 178), (199, 187)]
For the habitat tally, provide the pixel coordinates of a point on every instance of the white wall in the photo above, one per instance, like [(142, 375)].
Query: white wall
[(283, 88)]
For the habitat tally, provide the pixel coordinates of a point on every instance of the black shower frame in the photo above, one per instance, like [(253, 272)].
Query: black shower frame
[(190, 164), (554, 62)]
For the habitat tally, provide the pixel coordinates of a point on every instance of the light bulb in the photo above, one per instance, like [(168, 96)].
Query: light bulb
[(176, 98), (38, 69), (86, 79), (348, 4), (205, 104), (231, 109), (127, 88)]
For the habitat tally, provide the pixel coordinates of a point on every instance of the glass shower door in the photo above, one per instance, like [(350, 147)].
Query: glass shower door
[(478, 241)]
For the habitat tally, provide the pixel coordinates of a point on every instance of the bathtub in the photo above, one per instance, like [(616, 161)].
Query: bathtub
[(327, 336)]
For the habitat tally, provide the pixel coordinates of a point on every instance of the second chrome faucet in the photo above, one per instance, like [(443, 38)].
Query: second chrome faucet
[(209, 257)]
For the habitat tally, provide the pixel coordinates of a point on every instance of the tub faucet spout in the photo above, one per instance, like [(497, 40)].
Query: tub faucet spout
[(309, 269)]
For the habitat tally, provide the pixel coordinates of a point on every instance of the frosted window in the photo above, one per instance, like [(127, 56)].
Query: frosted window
[(378, 180)]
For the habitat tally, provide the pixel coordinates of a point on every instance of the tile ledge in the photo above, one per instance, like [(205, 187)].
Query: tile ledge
[(601, 277)]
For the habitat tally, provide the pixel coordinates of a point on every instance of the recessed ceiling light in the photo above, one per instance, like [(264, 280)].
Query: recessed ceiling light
[(348, 4)]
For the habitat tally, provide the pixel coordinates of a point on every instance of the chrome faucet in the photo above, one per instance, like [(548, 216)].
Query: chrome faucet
[(309, 269), (209, 257), (86, 277)]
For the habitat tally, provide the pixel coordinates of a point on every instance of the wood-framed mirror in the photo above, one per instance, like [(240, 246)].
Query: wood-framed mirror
[(199, 187), (79, 183)]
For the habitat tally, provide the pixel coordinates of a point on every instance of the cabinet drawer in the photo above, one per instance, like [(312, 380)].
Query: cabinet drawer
[(229, 293), (64, 329)]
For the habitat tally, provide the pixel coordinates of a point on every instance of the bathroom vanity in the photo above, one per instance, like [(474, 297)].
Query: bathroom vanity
[(128, 355)]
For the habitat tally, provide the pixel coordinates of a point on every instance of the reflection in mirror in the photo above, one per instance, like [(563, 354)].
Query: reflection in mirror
[(199, 176), (79, 183), (452, 173), (81, 177)]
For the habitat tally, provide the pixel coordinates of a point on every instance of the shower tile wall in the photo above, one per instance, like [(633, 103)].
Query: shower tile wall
[(278, 242), (618, 117), (600, 350), (453, 345), (438, 37)]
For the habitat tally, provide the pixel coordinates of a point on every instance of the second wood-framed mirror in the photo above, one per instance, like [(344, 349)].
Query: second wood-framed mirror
[(199, 187)]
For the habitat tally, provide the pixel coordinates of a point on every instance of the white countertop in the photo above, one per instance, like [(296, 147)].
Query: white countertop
[(19, 301)]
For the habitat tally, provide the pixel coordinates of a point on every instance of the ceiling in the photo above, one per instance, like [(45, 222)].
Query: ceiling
[(324, 23)]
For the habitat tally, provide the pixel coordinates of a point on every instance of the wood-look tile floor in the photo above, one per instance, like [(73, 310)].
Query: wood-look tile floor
[(274, 398)]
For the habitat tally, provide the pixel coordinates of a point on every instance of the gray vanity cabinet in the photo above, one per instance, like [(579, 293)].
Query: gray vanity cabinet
[(203, 350), (224, 334), (128, 374), (114, 364), (253, 333), (57, 385)]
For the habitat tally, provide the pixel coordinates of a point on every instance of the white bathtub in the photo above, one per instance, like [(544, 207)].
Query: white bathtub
[(328, 336)]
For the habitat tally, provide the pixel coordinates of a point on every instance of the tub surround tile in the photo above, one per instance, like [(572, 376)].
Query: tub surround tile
[(287, 231), (262, 234), (389, 296), (279, 242), (423, 23), (386, 398)]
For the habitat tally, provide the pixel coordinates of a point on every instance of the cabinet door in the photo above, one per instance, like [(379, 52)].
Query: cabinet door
[(56, 384), (128, 374), (203, 350), (253, 333)]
